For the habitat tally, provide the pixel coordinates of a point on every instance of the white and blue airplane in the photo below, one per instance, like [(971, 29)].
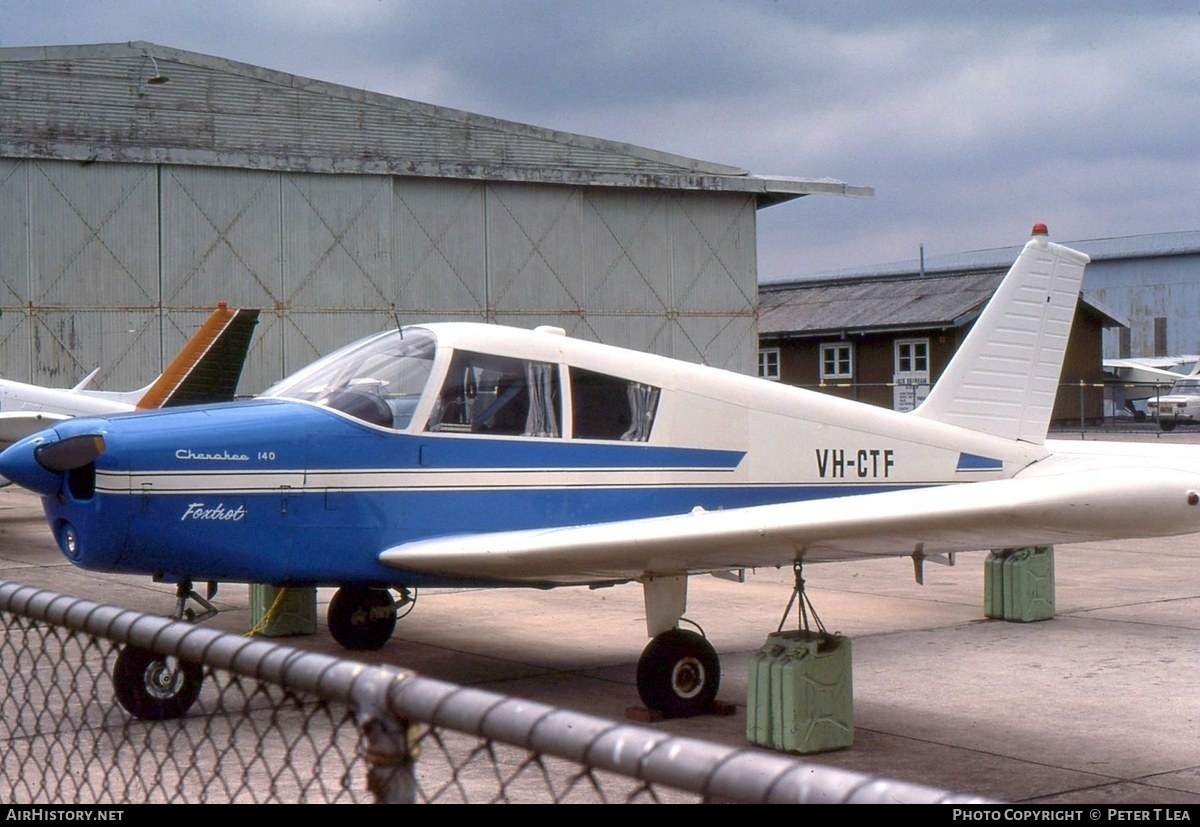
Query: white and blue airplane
[(478, 455)]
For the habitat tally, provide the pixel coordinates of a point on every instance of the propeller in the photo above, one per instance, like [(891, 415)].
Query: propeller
[(70, 453)]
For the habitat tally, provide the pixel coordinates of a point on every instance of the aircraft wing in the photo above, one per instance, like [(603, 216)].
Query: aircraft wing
[(16, 425), (1070, 507)]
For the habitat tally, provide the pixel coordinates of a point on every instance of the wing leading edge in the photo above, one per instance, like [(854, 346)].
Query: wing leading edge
[(1064, 508), (16, 425)]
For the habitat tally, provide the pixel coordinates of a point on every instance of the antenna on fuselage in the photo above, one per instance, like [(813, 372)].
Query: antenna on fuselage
[(396, 316)]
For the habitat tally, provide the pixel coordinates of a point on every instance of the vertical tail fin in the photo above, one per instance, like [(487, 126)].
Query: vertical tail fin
[(208, 367), (1004, 378)]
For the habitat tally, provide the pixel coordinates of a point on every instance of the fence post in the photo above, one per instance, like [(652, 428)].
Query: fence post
[(389, 741), (1082, 427), (391, 752)]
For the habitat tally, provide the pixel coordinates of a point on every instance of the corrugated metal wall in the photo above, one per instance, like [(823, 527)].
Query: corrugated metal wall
[(79, 269), (1145, 289), (114, 265)]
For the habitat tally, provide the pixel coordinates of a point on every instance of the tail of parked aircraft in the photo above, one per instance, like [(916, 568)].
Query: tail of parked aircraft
[(207, 369), (1004, 378), (209, 366)]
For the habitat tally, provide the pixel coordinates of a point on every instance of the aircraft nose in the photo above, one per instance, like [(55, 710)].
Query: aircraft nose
[(39, 462)]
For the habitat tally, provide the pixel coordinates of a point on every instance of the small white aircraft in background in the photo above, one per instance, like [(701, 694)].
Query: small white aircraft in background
[(1151, 370), (455, 454), (1138, 384), (206, 369)]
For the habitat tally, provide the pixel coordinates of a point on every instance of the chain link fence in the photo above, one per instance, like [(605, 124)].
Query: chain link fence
[(277, 724)]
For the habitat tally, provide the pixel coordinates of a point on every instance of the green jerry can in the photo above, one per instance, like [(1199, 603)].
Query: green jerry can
[(1018, 584), (282, 612), (800, 693)]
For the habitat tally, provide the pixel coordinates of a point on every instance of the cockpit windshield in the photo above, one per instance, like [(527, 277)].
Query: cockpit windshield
[(378, 380), (1186, 386)]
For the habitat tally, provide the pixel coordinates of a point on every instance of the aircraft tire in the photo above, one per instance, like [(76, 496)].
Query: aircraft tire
[(348, 619), (147, 688), (678, 674), (1167, 424)]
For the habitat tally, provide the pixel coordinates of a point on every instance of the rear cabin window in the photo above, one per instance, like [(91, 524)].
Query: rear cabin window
[(605, 407), (485, 394)]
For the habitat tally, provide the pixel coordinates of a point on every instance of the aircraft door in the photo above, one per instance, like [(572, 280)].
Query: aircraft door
[(498, 396)]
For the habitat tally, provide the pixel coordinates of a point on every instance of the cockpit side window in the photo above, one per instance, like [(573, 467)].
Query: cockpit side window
[(607, 407), (485, 394)]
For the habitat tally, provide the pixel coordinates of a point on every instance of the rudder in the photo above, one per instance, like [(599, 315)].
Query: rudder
[(1004, 379), (208, 367)]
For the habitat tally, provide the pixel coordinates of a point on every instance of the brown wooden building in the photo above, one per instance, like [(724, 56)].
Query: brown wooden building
[(885, 339)]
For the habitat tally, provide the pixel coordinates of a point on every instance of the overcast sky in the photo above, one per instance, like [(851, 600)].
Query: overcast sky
[(972, 120)]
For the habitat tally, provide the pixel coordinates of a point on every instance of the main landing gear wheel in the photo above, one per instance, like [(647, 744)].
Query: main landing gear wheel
[(1167, 424), (153, 687), (679, 674), (361, 618)]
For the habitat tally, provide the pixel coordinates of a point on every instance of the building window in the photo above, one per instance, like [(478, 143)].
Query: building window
[(837, 361), (912, 356), (768, 363)]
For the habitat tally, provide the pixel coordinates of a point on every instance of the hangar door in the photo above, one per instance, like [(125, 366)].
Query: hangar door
[(114, 265)]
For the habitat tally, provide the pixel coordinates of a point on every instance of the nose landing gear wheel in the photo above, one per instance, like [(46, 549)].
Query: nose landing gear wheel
[(678, 674), (153, 687), (361, 618)]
